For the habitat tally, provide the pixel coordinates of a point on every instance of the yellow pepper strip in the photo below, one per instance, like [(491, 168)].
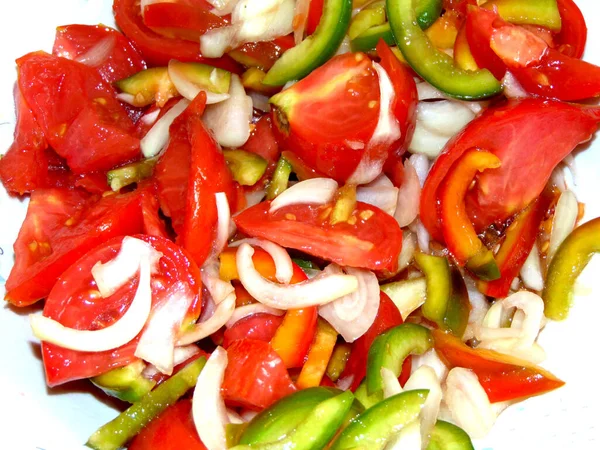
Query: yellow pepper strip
[(318, 356)]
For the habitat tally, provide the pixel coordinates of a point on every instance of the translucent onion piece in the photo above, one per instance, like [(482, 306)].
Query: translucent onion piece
[(230, 120), (248, 310), (426, 142), (98, 53), (431, 359), (180, 355), (214, 43), (531, 272), (421, 165), (260, 101), (300, 19), (512, 87), (208, 408), (409, 438), (391, 385), (222, 314), (223, 222), (156, 139), (150, 118), (445, 117), (284, 268), (409, 195), (254, 197), (319, 290), (468, 403), (353, 314), (189, 89), (423, 237), (380, 193), (409, 246), (119, 333), (222, 7), (425, 377), (318, 191), (565, 217)]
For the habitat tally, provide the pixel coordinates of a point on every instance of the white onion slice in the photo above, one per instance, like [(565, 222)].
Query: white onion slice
[(422, 235), (409, 246), (190, 90), (157, 343), (391, 385), (254, 197), (512, 88), (234, 417), (208, 408), (426, 91), (421, 165), (284, 268), (426, 142), (531, 272), (219, 290), (260, 101), (353, 314), (119, 333), (248, 415), (425, 377), (99, 52), (300, 19), (380, 193), (249, 310), (445, 118), (431, 359), (386, 131), (113, 274), (319, 290), (318, 191), (214, 43), (222, 7), (204, 329), (409, 195), (468, 403), (223, 222), (150, 118), (409, 438), (180, 355), (158, 136), (230, 120), (565, 217)]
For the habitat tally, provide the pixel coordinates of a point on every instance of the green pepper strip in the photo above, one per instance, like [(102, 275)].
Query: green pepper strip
[(338, 360), (316, 49), (543, 13), (391, 348), (439, 286), (446, 436), (373, 429), (280, 179), (371, 16), (316, 430), (130, 422), (568, 263), (456, 318), (433, 65), (131, 173), (246, 167), (125, 383)]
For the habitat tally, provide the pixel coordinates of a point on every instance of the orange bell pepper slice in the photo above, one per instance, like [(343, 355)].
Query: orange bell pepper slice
[(318, 356)]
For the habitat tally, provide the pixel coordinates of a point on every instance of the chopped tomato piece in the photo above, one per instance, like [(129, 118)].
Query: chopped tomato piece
[(315, 12), (261, 327), (262, 140), (262, 54), (573, 32), (255, 376)]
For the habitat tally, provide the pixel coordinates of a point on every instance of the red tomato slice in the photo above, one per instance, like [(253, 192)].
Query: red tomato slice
[(113, 55), (29, 164), (328, 118), (388, 316), (479, 27), (373, 241), (69, 230), (92, 182), (261, 327), (314, 16), (74, 302), (573, 32), (153, 224), (255, 376), (78, 112), (530, 137), (158, 50), (262, 140), (174, 429), (262, 54), (181, 21)]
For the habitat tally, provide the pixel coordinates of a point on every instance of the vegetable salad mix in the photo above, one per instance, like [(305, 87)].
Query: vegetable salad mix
[(310, 224)]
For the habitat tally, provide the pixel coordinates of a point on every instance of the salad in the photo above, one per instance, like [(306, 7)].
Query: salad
[(343, 226)]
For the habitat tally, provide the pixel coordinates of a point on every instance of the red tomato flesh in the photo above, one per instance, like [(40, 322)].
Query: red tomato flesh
[(261, 327)]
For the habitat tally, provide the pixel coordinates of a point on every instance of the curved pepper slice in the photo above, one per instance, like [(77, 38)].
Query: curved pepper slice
[(433, 65), (125, 383), (502, 377), (317, 48), (543, 13), (446, 436), (459, 233), (439, 286), (316, 430), (374, 428), (568, 263), (391, 348), (318, 356)]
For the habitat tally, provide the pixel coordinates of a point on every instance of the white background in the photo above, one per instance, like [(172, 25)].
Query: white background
[(32, 416)]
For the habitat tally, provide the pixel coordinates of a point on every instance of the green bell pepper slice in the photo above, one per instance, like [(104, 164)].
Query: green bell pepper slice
[(569, 261), (246, 167), (364, 398), (433, 65), (125, 383), (128, 174), (378, 424), (543, 13), (280, 179), (368, 39), (391, 348), (338, 360), (317, 428), (316, 49), (446, 436), (125, 426), (458, 309), (371, 16)]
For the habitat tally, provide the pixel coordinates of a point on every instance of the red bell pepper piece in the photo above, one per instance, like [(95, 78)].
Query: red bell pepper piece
[(573, 33)]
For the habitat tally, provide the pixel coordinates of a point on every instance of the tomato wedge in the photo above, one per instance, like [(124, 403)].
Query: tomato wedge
[(261, 327), (74, 302), (158, 50), (573, 33), (530, 137), (114, 56), (371, 240), (255, 376)]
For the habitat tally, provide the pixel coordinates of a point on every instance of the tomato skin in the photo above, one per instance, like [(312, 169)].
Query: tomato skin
[(262, 54), (479, 26), (156, 49), (261, 327), (174, 429), (255, 376), (78, 112), (262, 140), (388, 316), (374, 243), (328, 118), (122, 61), (573, 33), (530, 136), (72, 303), (315, 12), (153, 224), (115, 215)]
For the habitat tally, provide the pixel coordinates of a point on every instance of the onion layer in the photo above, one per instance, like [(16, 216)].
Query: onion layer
[(318, 191), (249, 310), (409, 194), (380, 193), (284, 268), (156, 139)]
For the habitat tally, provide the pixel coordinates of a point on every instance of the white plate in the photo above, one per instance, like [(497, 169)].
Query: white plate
[(31, 416)]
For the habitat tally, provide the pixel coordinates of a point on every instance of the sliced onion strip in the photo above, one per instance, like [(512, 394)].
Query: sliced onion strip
[(409, 194), (248, 310), (157, 138), (318, 191), (189, 89), (99, 52), (565, 217), (223, 222), (284, 268)]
